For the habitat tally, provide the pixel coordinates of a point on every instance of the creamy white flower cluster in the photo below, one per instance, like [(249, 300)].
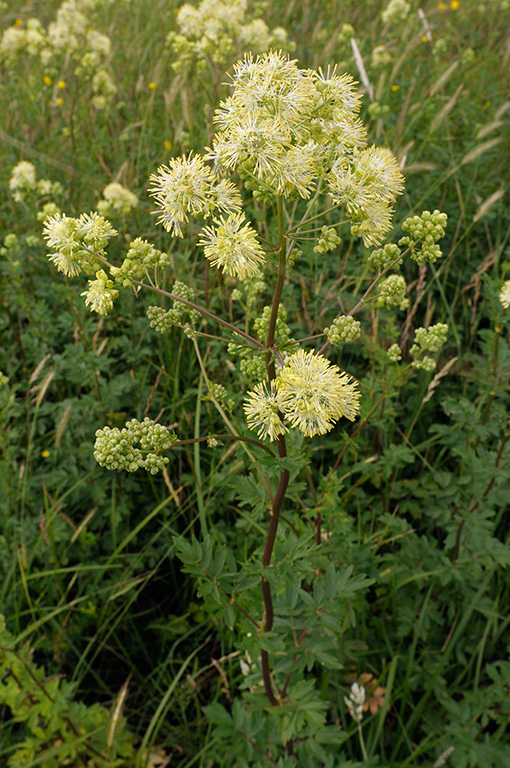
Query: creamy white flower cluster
[(24, 182), (20, 38), (69, 37), (219, 31), (116, 200), (284, 128), (355, 701), (115, 448), (395, 11), (309, 393), (100, 294), (428, 340), (78, 243), (504, 295)]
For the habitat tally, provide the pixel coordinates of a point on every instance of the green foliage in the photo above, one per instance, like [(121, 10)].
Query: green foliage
[(55, 725), (159, 578)]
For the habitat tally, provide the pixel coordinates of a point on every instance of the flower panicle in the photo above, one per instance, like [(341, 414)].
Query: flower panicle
[(309, 393)]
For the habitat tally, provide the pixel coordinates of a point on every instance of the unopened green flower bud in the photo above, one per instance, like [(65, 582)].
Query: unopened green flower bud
[(343, 328), (394, 353), (328, 240), (392, 292), (381, 258)]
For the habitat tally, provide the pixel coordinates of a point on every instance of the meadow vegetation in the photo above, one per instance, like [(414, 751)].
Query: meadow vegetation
[(254, 397)]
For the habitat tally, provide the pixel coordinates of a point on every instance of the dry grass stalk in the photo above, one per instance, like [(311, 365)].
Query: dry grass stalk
[(475, 283), (487, 204), (445, 111), (361, 69), (420, 290), (443, 78), (435, 381), (480, 149)]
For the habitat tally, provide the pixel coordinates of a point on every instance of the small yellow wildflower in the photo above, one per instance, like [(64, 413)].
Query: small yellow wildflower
[(442, 6), (167, 144), (233, 245), (45, 454), (395, 88), (101, 293), (47, 80), (62, 84), (454, 5), (261, 408), (313, 394), (59, 101), (424, 38), (151, 85), (19, 23)]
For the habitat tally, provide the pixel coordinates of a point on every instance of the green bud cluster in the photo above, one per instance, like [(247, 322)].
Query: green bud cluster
[(251, 288), (140, 258), (252, 362), (381, 258), (392, 292), (328, 240), (426, 229), (440, 47), (260, 191), (282, 330), (343, 328), (220, 394), (185, 292), (115, 448), (394, 353), (254, 367), (377, 110), (428, 340), (346, 32), (468, 56), (162, 319), (293, 256), (11, 244)]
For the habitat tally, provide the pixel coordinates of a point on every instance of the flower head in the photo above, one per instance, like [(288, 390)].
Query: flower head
[(189, 186), (355, 702), (313, 394), (117, 199), (234, 246), (504, 295), (261, 408), (100, 294)]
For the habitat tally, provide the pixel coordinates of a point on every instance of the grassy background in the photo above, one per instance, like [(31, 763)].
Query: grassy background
[(88, 576)]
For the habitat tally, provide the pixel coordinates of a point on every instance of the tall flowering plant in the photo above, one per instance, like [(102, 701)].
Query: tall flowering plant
[(292, 139)]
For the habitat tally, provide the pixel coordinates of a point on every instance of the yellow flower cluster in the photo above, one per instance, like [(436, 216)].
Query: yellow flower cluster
[(309, 393), (284, 128), (219, 31)]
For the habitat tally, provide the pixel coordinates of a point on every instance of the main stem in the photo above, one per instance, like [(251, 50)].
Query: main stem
[(282, 452)]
